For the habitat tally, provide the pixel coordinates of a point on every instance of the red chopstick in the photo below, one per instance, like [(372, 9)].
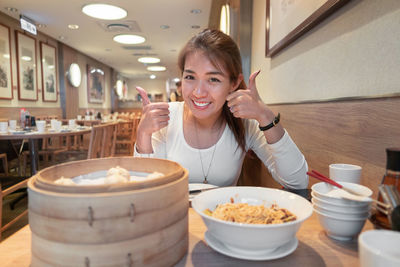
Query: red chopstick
[(323, 178)]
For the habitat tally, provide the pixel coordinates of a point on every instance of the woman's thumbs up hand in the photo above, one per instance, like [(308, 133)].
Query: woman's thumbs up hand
[(155, 116), (246, 103)]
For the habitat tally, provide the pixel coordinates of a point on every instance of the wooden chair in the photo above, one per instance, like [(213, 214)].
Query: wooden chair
[(126, 137), (4, 193), (50, 150), (3, 158), (109, 139), (102, 141)]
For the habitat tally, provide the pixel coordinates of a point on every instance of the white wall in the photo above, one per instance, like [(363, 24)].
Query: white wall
[(355, 52)]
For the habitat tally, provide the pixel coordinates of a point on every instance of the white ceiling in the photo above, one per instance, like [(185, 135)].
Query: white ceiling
[(94, 40)]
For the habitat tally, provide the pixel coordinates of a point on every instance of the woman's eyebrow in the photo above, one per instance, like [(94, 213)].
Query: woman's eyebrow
[(208, 73)]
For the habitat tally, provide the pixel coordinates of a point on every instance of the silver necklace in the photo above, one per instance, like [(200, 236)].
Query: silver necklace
[(205, 181)]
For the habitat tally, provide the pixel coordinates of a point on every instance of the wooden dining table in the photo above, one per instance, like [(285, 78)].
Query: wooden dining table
[(34, 136), (315, 248)]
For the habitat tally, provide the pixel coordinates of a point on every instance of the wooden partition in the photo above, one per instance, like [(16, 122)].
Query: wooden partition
[(12, 113), (351, 131)]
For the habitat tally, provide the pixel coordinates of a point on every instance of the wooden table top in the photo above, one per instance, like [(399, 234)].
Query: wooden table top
[(314, 248), (46, 134)]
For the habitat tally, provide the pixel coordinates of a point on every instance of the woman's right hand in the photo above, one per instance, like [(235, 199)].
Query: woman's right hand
[(155, 116)]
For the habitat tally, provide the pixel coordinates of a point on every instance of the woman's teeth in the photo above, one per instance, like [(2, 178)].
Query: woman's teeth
[(201, 104)]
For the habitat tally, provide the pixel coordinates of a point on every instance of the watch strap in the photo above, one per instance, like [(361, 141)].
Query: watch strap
[(274, 122)]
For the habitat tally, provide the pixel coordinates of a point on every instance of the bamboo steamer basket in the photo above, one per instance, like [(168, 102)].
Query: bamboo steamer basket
[(132, 224)]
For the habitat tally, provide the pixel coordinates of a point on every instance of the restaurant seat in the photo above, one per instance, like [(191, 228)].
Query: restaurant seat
[(4, 193), (102, 141), (126, 137), (3, 158), (50, 149)]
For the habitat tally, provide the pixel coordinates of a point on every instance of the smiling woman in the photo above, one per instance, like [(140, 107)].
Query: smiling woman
[(210, 132)]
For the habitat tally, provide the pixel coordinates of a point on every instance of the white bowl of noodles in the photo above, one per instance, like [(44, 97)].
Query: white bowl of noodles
[(245, 238)]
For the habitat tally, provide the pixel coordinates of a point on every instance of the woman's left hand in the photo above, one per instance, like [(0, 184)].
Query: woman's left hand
[(247, 104)]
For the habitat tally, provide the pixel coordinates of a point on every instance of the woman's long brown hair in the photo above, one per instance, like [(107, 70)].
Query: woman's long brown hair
[(223, 54)]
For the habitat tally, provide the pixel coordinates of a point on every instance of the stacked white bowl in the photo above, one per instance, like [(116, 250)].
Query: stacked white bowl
[(342, 219)]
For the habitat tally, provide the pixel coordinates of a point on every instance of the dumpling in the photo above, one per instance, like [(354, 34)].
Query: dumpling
[(117, 175), (64, 181)]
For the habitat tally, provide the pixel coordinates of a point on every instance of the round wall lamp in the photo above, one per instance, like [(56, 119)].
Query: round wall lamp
[(74, 75)]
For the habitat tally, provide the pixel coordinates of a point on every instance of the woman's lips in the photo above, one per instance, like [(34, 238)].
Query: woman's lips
[(201, 104)]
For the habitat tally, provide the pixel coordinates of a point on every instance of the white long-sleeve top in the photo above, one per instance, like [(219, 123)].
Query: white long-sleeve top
[(283, 159)]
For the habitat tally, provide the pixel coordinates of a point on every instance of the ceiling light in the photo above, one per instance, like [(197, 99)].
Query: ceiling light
[(156, 68), (164, 27), (153, 76), (26, 58), (176, 80), (224, 24), (195, 11), (104, 11), (149, 60), (195, 27), (129, 39), (61, 37), (73, 26), (41, 25)]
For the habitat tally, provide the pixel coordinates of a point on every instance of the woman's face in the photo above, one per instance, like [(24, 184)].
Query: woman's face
[(204, 86)]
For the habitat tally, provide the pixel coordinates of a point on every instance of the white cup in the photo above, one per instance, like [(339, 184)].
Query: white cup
[(79, 117), (40, 126), (12, 124), (341, 172), (379, 248), (3, 126), (71, 124), (57, 126), (52, 124)]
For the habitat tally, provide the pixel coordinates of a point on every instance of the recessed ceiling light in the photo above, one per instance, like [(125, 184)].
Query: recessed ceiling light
[(73, 26), (164, 27), (153, 76), (129, 39), (149, 60), (195, 11), (11, 9), (156, 68), (104, 11), (195, 27)]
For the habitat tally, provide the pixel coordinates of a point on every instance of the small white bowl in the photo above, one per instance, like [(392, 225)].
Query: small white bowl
[(254, 239), (338, 228), (343, 215), (323, 189), (379, 248), (340, 207)]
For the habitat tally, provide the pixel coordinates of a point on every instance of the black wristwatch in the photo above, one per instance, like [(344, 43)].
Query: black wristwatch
[(272, 124)]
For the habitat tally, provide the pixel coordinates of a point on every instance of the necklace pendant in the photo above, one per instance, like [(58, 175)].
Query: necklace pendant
[(205, 181)]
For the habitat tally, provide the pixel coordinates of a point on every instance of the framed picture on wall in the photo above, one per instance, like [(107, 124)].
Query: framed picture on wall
[(49, 72), (287, 20), (26, 67), (6, 89), (95, 84)]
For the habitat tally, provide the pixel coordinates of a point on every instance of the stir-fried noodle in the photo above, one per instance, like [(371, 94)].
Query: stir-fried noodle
[(245, 213)]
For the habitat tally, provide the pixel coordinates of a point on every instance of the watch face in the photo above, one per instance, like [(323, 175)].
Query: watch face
[(74, 75)]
